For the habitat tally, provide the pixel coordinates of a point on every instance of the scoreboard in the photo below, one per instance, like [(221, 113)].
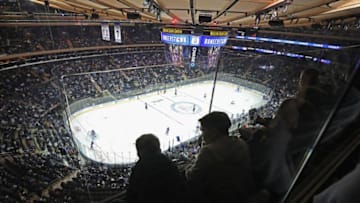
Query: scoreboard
[(208, 38), (216, 32), (172, 30), (193, 47)]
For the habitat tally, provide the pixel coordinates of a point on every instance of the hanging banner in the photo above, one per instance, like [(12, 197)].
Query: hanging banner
[(193, 57), (105, 31), (117, 32)]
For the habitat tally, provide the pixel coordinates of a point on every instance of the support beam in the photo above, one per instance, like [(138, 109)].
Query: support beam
[(192, 12), (225, 9)]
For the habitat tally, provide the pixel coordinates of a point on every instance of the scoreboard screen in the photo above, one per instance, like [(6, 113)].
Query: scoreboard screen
[(185, 49), (193, 40), (183, 37)]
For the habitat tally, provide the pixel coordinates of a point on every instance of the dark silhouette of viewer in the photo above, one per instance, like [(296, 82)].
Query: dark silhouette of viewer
[(278, 147), (154, 178), (222, 171), (311, 103)]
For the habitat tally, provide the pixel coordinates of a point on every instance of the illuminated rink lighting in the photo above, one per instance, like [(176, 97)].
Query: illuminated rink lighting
[(293, 42), (292, 55), (118, 124)]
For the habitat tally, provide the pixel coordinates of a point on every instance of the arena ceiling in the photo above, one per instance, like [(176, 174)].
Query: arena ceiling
[(232, 13)]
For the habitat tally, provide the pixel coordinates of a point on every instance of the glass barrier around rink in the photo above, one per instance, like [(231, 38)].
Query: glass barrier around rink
[(94, 153), (107, 96)]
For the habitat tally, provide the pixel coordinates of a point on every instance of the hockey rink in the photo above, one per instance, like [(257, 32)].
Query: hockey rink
[(118, 124)]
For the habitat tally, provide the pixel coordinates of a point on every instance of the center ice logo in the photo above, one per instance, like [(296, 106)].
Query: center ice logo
[(185, 107)]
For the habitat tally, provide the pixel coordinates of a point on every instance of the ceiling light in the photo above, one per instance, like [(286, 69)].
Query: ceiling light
[(257, 20), (158, 14), (146, 2), (285, 8), (274, 15)]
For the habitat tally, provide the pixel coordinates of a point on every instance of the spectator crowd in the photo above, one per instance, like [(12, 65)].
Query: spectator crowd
[(39, 159)]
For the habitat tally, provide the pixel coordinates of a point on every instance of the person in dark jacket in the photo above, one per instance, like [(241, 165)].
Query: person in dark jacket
[(154, 178), (222, 171)]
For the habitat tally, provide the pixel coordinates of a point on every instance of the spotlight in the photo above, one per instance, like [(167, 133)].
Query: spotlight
[(285, 8), (274, 15), (257, 20), (329, 25), (151, 7), (158, 14), (174, 21), (146, 2)]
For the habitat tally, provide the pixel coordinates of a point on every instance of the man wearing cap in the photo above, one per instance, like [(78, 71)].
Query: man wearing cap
[(222, 171)]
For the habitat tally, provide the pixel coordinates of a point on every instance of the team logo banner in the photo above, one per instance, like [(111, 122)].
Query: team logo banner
[(193, 57), (117, 32), (105, 31)]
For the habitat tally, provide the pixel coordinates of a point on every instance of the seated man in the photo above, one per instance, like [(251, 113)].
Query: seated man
[(222, 171), (154, 178)]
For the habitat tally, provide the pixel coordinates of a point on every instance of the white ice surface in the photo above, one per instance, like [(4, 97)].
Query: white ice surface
[(118, 124)]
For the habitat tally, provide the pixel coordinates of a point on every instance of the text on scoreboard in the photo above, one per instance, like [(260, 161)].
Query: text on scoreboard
[(193, 40)]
